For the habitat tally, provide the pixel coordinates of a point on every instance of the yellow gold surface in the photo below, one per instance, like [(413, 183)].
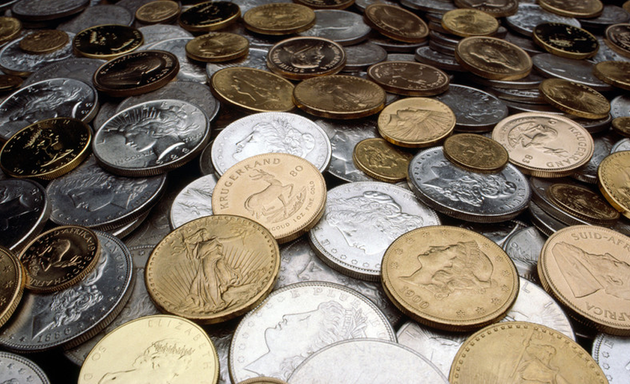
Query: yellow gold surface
[(381, 160), (396, 23), (279, 18), (615, 73), (613, 179), (217, 47), (44, 41), (209, 16), (9, 83), (476, 153), (161, 11), (12, 280), (626, 6), (10, 28), (469, 22), (263, 380), (621, 125), (493, 58), (409, 78), (565, 40), (583, 203), (575, 98), (579, 9)]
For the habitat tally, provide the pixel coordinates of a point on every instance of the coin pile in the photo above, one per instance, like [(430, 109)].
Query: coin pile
[(323, 191)]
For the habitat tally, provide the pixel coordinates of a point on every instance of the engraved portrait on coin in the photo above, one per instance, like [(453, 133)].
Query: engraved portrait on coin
[(274, 135)]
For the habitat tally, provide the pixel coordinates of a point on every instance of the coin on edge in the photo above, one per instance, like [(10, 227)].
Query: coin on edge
[(44, 41), (617, 38), (613, 178), (493, 58), (12, 282), (158, 12), (469, 22), (217, 47), (279, 19), (575, 98), (381, 160), (209, 16), (107, 41), (300, 58), (582, 203), (476, 153), (616, 73), (621, 125), (10, 28), (586, 9), (396, 23), (565, 40), (409, 78)]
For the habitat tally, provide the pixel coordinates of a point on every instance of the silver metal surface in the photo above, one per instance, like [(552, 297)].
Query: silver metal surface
[(579, 71), (474, 109), (159, 32), (14, 60), (361, 56), (189, 70), (343, 27), (612, 353), (79, 68), (15, 369), (98, 15), (194, 201), (524, 248), (530, 15), (24, 210), (255, 58)]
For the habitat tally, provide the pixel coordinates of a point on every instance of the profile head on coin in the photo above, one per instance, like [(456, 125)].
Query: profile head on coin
[(300, 58)]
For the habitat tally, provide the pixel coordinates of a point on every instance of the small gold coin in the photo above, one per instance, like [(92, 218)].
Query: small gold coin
[(10, 28), (60, 258), (44, 41), (213, 269), (409, 78), (613, 179), (279, 19), (582, 203), (10, 83), (155, 12), (496, 8), (107, 41), (585, 9), (153, 349), (253, 90), (616, 73), (521, 352), (326, 4), (565, 40), (283, 192), (626, 6), (493, 58), (585, 268), (381, 160), (12, 280), (449, 278), (339, 97), (416, 122), (621, 125), (476, 153), (209, 16), (396, 23), (617, 37), (300, 58), (217, 47), (575, 99), (469, 22)]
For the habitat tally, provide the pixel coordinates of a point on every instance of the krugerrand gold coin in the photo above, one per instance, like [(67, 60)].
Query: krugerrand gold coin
[(583, 9), (618, 38), (46, 149), (217, 47), (396, 23), (521, 352), (493, 58), (339, 97), (613, 178), (575, 98), (584, 267), (153, 349), (621, 125), (616, 73), (209, 16), (9, 83), (107, 41), (279, 18), (475, 153), (496, 8), (381, 160), (300, 58), (326, 4), (582, 203), (155, 12), (213, 269), (449, 278), (469, 22), (252, 90), (416, 122), (409, 78), (626, 6), (12, 280), (565, 40), (60, 258), (283, 192), (44, 41), (10, 28)]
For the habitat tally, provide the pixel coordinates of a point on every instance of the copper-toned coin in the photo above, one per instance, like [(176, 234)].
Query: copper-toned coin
[(107, 41), (613, 179), (209, 16), (409, 78), (213, 269), (326, 4), (469, 22), (136, 73), (575, 98), (300, 58), (579, 9), (615, 73), (253, 90), (10, 28), (217, 47), (493, 58), (156, 12), (416, 122), (12, 280), (44, 41), (339, 97), (46, 149), (618, 38), (279, 18), (582, 203), (449, 278), (381, 160), (565, 40), (396, 23), (283, 192), (476, 153), (60, 258), (621, 125), (10, 83), (496, 8)]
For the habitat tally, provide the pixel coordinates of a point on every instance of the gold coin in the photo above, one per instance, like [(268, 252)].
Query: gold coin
[(283, 192), (12, 280), (469, 22), (416, 122), (449, 278), (60, 258), (582, 203), (521, 352), (621, 125), (153, 349), (493, 58), (381, 160), (44, 41), (300, 58), (396, 23), (107, 41), (209, 16), (575, 98), (616, 73), (326, 4), (544, 145), (585, 9), (10, 28), (565, 40), (339, 97), (253, 90), (616, 37), (476, 153), (584, 267), (613, 179), (409, 78), (626, 6), (213, 269), (279, 18), (217, 47), (496, 8), (9, 83), (155, 12), (46, 149)]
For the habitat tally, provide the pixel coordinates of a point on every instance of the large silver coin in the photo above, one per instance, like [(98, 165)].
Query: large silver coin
[(98, 15), (475, 110), (188, 69), (543, 221), (156, 226), (621, 145), (15, 369), (524, 248), (193, 202), (14, 60), (361, 56), (579, 71), (297, 321), (620, 106), (24, 210), (41, 10), (361, 221), (79, 68), (343, 27), (530, 15), (612, 353), (603, 147), (159, 32), (255, 58)]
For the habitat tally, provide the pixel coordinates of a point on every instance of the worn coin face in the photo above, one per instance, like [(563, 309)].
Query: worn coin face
[(617, 38), (44, 41), (107, 41), (565, 40), (24, 209), (381, 160), (41, 10), (396, 23), (279, 18), (476, 153), (217, 47), (493, 58), (209, 16), (575, 99), (469, 22), (16, 367), (10, 27), (613, 180), (300, 58), (409, 78)]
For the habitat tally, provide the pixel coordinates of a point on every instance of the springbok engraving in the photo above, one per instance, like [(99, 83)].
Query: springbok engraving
[(276, 202)]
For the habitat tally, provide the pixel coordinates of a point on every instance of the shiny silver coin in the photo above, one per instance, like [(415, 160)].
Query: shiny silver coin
[(432, 6), (475, 110), (160, 32), (604, 53), (611, 14), (14, 61), (578, 71), (603, 147), (189, 70), (205, 160), (15, 369), (361, 56), (544, 222), (105, 111), (361, 221), (98, 15), (156, 226), (526, 43), (593, 126), (621, 145), (79, 68), (527, 96), (44, 10), (193, 202), (620, 106), (611, 353), (497, 232), (524, 248), (125, 229), (343, 27), (530, 15), (426, 55), (255, 58), (24, 210)]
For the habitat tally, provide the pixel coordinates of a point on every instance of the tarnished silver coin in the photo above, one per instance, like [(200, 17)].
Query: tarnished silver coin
[(475, 110), (603, 146), (432, 6), (69, 317), (98, 15), (151, 138), (621, 145), (361, 221), (271, 132), (543, 221), (255, 58), (467, 195), (445, 62), (578, 71), (132, 5), (343, 27), (160, 32), (605, 53), (361, 56), (14, 61), (105, 111), (188, 69), (24, 210), (79, 68), (524, 248), (193, 202), (44, 10), (15, 369), (528, 96), (620, 106), (298, 320), (45, 100), (611, 353), (529, 15), (156, 226), (611, 14)]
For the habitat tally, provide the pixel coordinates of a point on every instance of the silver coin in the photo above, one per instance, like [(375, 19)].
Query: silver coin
[(80, 68), (621, 145), (343, 27), (579, 71), (391, 45), (105, 111), (373, 361), (529, 16), (611, 14), (256, 40), (620, 106), (527, 44), (47, 99), (246, 5), (188, 69), (543, 221), (193, 202), (132, 5), (362, 4), (401, 57), (433, 6), (205, 160), (524, 248), (6, 4), (295, 322), (603, 147), (255, 58), (98, 15), (15, 61), (299, 263), (69, 317), (361, 221), (361, 56), (441, 48), (497, 232), (159, 32), (151, 138), (276, 132), (474, 110), (611, 353), (24, 210), (467, 195), (532, 80), (125, 229), (426, 55), (527, 96), (39, 10), (604, 53), (15, 369), (156, 226), (92, 197)]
